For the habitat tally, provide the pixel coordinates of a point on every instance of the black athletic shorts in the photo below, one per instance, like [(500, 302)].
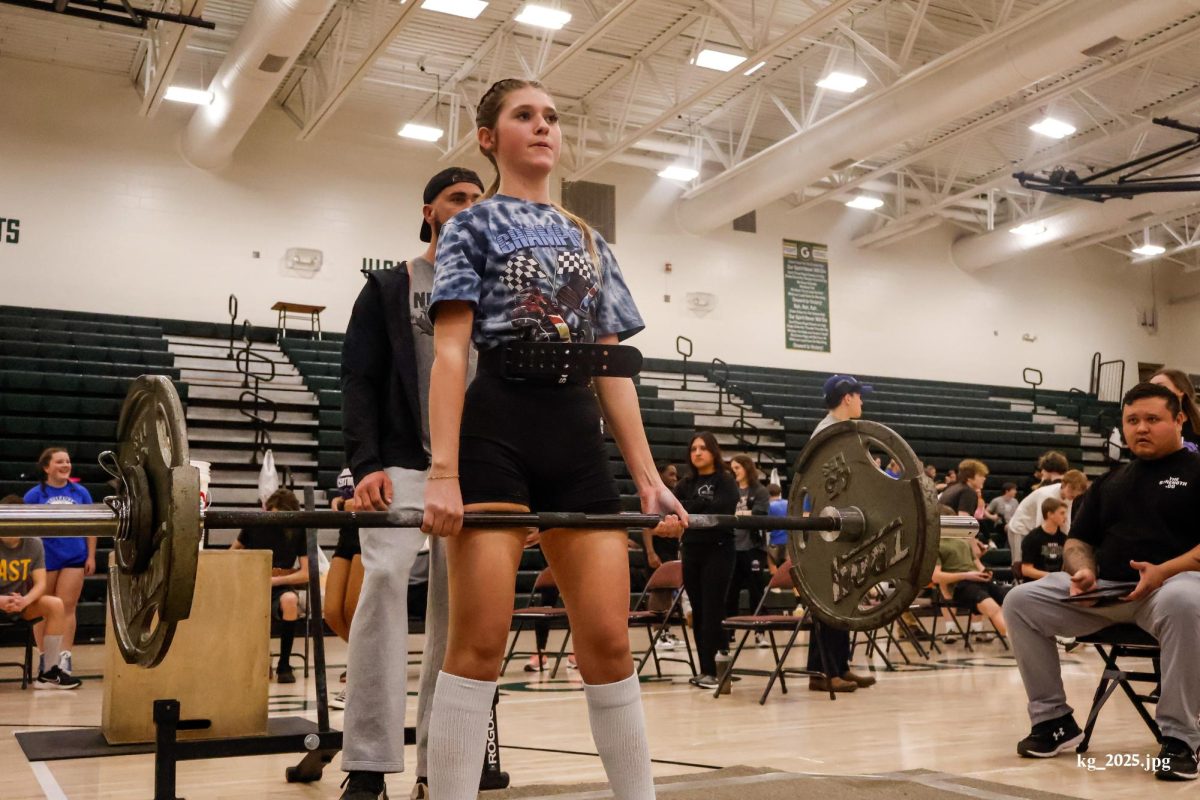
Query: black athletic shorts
[(975, 592), (347, 544), (534, 444)]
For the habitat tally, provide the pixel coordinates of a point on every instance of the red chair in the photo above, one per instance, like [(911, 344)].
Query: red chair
[(770, 624), (532, 614), (667, 578)]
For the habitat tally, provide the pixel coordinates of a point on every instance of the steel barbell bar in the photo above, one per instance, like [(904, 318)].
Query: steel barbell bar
[(98, 519)]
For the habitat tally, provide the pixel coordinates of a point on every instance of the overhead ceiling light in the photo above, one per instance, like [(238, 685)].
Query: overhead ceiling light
[(865, 202), (755, 68), (675, 172), (459, 8), (180, 94), (842, 82), (1149, 250), (543, 17), (720, 61), (1054, 128), (1028, 229), (424, 133)]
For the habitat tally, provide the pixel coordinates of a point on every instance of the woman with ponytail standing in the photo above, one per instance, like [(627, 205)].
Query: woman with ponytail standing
[(69, 559), (532, 284)]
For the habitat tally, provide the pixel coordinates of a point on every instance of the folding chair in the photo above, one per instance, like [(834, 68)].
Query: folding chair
[(532, 614), (23, 630), (1123, 641), (953, 608), (758, 622), (667, 578)]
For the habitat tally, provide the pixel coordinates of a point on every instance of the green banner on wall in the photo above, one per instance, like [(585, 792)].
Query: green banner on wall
[(806, 295)]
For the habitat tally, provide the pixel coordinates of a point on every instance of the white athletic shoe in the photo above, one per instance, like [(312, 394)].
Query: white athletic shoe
[(338, 701), (666, 642)]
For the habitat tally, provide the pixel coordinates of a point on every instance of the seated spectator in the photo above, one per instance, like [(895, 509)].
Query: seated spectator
[(963, 496), (946, 482), (1138, 525), (23, 596), (289, 574), (961, 576), (777, 544), (1042, 550), (1029, 511), (344, 581)]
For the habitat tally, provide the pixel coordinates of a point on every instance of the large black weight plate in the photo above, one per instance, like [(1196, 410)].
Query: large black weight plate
[(863, 582), (153, 591)]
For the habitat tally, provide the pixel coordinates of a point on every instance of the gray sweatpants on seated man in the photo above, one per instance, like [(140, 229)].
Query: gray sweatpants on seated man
[(377, 673), (1036, 614)]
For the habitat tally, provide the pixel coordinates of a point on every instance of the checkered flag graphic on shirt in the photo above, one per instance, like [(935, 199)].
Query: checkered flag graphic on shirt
[(571, 262), (521, 273)]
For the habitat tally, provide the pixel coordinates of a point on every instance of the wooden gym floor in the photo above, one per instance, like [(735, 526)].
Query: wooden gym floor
[(961, 714)]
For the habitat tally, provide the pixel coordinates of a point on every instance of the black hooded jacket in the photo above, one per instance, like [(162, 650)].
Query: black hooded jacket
[(381, 407)]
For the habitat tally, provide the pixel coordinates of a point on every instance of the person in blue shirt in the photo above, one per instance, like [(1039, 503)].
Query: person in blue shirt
[(516, 268), (68, 560), (777, 544)]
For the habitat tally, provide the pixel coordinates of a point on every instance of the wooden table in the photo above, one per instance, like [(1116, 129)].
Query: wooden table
[(286, 309)]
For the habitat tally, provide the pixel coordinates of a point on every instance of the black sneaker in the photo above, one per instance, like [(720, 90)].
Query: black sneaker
[(285, 675), (1177, 761), (1049, 738), (55, 678), (364, 786)]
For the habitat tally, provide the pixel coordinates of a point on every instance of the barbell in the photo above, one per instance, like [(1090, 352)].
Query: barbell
[(875, 543)]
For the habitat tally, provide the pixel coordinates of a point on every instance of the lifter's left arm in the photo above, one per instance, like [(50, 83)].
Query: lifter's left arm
[(619, 404)]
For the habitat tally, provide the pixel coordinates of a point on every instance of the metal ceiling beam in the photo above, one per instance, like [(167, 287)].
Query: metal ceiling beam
[(1160, 45), (114, 13), (573, 51), (345, 85), (818, 21), (161, 56)]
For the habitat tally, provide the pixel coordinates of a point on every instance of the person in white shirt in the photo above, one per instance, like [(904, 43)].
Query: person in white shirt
[(1029, 513)]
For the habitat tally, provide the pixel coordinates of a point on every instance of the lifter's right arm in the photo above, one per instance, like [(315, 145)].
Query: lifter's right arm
[(447, 388)]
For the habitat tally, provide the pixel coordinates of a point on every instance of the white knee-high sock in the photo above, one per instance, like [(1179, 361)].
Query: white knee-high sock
[(458, 736), (619, 730)]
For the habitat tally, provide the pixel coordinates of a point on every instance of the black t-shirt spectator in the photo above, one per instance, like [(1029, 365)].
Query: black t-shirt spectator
[(286, 544), (1142, 511), (708, 494), (1042, 550), (960, 497)]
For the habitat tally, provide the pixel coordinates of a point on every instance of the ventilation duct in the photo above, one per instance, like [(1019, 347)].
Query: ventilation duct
[(1044, 42), (259, 59)]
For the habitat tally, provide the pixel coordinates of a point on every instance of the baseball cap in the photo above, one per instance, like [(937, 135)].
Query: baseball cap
[(838, 386), (345, 484), (438, 183)]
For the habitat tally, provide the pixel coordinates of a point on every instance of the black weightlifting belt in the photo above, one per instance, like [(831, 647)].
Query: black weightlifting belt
[(560, 362)]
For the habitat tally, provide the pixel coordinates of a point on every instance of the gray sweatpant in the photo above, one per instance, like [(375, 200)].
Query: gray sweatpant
[(1036, 614), (377, 673)]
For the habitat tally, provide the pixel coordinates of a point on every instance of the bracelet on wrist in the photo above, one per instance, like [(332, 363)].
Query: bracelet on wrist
[(443, 477)]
